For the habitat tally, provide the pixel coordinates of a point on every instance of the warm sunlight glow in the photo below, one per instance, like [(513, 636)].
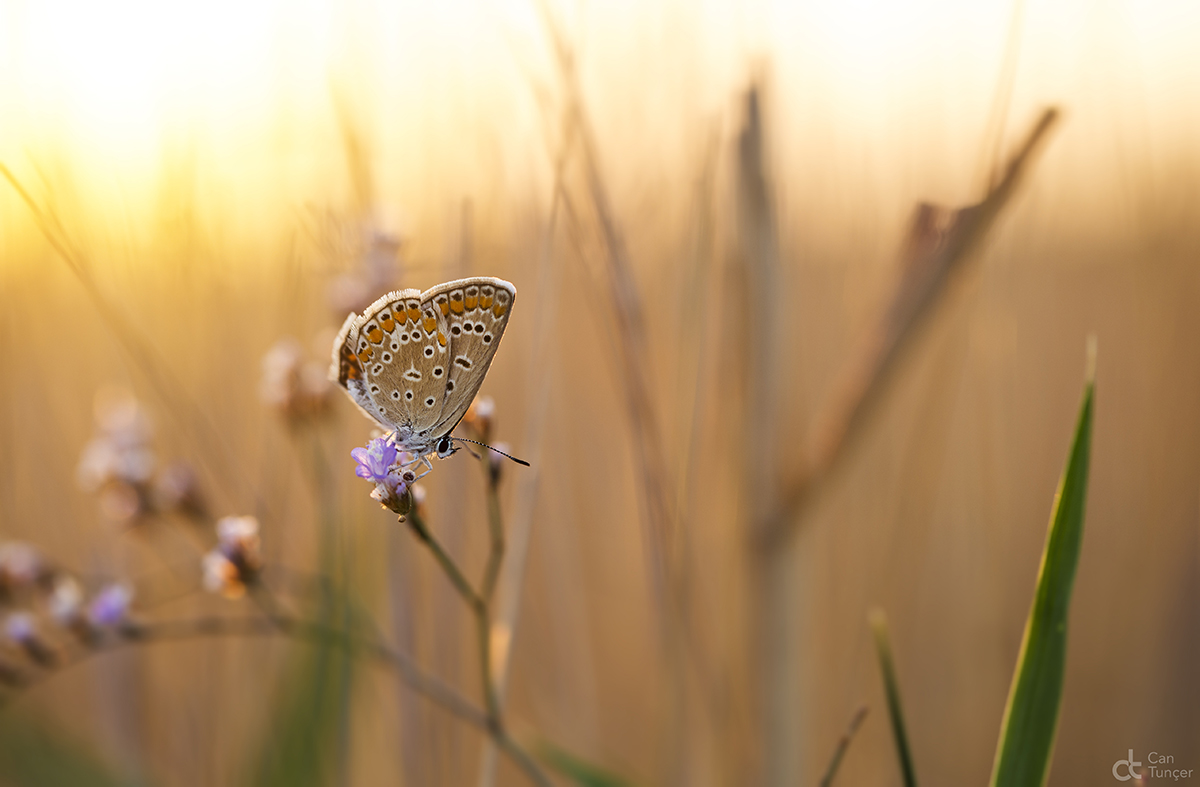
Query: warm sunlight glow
[(453, 95), (125, 70)]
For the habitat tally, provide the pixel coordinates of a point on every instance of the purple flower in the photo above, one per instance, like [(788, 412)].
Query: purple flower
[(382, 464), (376, 460), (20, 627), (110, 607)]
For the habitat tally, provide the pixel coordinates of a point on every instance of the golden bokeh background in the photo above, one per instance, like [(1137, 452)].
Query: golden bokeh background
[(222, 168)]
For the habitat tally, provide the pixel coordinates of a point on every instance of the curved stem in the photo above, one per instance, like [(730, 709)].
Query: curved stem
[(480, 606), (277, 625)]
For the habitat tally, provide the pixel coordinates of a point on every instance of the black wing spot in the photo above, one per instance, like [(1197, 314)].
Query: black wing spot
[(487, 338), (374, 389), (376, 369), (429, 402), (428, 352), (437, 371), (463, 361), (408, 395), (387, 357), (396, 395)]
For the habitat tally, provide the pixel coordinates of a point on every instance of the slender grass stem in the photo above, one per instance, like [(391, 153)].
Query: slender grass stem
[(839, 752), (278, 624), (480, 606), (496, 555), (447, 564)]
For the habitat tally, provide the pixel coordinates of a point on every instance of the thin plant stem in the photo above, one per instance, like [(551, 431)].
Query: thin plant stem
[(630, 322), (282, 624), (496, 527), (843, 743), (508, 602), (480, 608), (940, 242), (278, 624), (198, 425), (447, 564)]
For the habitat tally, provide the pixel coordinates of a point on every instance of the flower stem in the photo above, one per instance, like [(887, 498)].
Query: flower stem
[(480, 606), (453, 573), (496, 556)]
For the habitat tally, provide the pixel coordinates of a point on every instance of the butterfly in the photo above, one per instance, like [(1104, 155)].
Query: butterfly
[(413, 361)]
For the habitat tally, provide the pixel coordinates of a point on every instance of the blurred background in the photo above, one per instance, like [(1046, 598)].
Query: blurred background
[(226, 176)]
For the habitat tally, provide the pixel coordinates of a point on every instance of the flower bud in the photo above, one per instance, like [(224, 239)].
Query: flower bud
[(110, 607)]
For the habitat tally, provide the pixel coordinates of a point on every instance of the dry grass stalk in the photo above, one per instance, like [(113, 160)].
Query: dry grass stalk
[(195, 422), (504, 626), (631, 328), (940, 241)]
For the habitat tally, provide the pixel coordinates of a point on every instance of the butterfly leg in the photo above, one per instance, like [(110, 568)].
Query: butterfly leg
[(428, 466)]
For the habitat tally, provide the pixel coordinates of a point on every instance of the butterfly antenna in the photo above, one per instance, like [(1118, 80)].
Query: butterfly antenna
[(485, 445)]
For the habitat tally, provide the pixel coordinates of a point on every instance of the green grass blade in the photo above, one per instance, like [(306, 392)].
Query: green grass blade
[(892, 687), (577, 769), (1026, 744)]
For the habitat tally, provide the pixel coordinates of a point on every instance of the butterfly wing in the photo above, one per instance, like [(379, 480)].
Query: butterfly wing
[(476, 312), (392, 360)]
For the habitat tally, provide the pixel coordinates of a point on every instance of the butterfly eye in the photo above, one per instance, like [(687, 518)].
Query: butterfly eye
[(443, 447)]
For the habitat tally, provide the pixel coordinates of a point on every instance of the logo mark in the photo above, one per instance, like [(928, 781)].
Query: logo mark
[(1129, 764)]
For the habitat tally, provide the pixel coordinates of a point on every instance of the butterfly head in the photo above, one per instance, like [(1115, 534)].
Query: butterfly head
[(444, 447)]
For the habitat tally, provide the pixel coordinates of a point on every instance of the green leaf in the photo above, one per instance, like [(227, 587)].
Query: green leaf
[(577, 769), (35, 754), (892, 687), (1027, 733)]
